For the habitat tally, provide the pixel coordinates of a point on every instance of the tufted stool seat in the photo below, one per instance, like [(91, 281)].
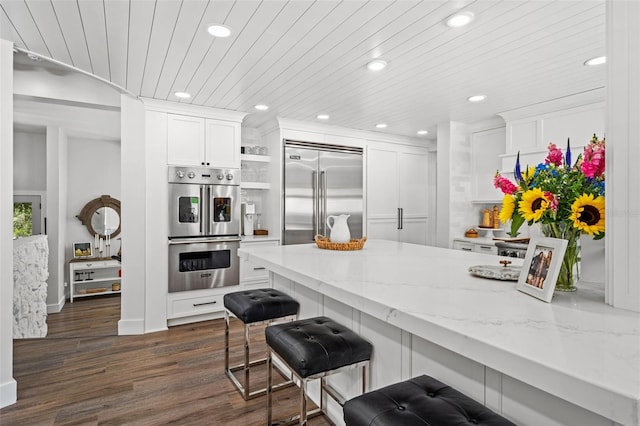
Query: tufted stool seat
[(420, 401), (312, 349), (254, 307)]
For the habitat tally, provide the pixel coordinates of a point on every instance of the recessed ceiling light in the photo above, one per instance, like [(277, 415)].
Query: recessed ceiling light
[(323, 116), (377, 65), (460, 19), (182, 95), (422, 132), (218, 30), (596, 61), (381, 126), (261, 107), (477, 98)]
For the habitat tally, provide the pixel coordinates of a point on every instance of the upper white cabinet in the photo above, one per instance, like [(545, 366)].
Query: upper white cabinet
[(397, 193), (222, 143), (529, 130), (185, 140), (198, 141), (486, 148)]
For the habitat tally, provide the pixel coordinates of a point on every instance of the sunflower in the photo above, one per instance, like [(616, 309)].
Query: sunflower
[(508, 206), (587, 214), (533, 205)]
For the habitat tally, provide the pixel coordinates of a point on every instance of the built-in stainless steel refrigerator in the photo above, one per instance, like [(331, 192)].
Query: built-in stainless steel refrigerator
[(320, 180)]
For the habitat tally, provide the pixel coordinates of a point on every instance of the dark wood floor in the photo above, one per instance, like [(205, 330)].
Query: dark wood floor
[(84, 374)]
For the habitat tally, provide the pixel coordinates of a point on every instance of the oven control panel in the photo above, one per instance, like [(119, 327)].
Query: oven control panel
[(203, 175)]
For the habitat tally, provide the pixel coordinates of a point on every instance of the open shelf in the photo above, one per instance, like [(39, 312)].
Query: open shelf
[(255, 158)]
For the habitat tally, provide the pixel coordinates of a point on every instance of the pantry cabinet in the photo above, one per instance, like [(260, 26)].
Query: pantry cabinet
[(397, 192), (199, 141)]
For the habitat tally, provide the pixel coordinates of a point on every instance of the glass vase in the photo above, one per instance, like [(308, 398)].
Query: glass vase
[(570, 267)]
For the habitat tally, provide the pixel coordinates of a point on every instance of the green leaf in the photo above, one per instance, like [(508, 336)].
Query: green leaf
[(516, 222)]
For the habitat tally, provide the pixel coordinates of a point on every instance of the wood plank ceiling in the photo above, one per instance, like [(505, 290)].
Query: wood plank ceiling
[(303, 58)]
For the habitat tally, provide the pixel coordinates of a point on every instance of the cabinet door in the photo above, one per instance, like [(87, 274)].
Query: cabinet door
[(382, 229), (185, 140), (414, 231), (222, 144), (413, 184), (382, 183)]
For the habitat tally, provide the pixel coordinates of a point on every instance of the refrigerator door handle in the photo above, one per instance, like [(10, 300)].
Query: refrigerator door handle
[(316, 227), (398, 219), (323, 200)]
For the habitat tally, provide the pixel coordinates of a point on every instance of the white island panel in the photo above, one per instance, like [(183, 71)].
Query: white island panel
[(576, 348)]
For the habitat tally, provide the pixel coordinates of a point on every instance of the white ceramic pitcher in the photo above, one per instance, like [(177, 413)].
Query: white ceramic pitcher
[(339, 229)]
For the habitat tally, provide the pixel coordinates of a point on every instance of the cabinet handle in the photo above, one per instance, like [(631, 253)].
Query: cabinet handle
[(467, 249), (205, 303), (485, 247), (261, 268)]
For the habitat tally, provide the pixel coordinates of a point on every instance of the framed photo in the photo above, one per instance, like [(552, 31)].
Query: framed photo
[(541, 267), (81, 250)]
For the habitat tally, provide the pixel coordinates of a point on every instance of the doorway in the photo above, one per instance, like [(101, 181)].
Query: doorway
[(27, 216)]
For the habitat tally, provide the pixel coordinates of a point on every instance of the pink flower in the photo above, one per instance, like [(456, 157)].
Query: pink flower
[(555, 155), (553, 200), (594, 160), (504, 184)]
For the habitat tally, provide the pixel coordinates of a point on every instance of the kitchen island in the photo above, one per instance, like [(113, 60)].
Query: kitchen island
[(573, 361)]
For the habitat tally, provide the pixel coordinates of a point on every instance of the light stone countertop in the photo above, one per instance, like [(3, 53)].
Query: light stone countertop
[(576, 347)]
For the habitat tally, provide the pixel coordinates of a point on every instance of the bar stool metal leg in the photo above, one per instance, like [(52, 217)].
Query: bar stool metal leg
[(269, 390)]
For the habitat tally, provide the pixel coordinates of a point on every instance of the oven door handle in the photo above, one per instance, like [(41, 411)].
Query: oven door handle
[(205, 240)]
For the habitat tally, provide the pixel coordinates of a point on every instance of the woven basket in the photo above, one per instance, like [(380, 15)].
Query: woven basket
[(325, 243)]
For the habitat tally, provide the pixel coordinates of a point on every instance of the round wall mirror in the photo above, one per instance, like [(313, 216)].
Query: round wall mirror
[(101, 216)]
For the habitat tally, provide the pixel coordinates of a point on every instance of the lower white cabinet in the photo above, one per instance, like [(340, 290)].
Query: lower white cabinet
[(475, 246), (252, 275), (93, 277), (196, 305)]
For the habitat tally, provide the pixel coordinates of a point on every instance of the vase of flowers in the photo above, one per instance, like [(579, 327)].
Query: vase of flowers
[(566, 200)]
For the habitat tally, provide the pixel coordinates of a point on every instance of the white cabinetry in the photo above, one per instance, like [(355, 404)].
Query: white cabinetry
[(479, 246), (397, 193), (198, 305), (252, 275), (198, 141), (93, 277)]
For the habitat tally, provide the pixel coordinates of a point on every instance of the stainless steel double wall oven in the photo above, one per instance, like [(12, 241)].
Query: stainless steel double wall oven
[(204, 228)]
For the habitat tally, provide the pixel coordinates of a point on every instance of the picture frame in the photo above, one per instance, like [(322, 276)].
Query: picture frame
[(541, 267), (82, 250)]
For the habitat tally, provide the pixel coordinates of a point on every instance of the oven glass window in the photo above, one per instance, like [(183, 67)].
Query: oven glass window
[(205, 260), (188, 209), (222, 209)]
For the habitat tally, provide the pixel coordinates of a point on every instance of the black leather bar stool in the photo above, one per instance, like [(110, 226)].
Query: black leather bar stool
[(254, 307), (419, 401), (312, 349)]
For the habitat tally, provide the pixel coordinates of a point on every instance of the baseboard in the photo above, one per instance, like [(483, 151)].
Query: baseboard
[(8, 393), (130, 327), (56, 307)]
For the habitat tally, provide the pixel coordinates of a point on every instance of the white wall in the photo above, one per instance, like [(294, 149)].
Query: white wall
[(623, 154), (454, 210), (8, 385), (29, 161), (93, 170), (56, 213), (133, 219)]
